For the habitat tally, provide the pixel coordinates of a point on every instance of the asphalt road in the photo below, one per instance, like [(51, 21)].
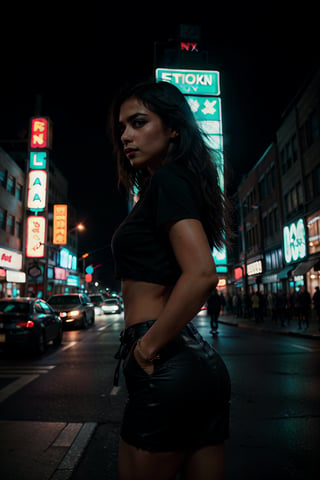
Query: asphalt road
[(60, 416)]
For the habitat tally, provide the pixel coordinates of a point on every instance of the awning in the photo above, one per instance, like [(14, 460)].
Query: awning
[(304, 267), (284, 272)]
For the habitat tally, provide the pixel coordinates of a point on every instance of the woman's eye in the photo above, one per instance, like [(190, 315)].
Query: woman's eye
[(137, 123)]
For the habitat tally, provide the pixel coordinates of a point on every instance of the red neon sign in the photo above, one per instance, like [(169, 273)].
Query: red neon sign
[(39, 133), (189, 46), (237, 273)]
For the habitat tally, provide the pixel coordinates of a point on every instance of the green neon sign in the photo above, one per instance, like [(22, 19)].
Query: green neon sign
[(205, 108), (191, 82)]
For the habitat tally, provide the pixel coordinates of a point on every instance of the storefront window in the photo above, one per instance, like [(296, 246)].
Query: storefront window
[(314, 233)]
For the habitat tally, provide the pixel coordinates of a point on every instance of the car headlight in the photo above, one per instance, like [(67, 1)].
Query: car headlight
[(74, 313), (63, 314)]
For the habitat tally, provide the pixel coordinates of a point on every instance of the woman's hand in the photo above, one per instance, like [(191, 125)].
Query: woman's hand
[(146, 365)]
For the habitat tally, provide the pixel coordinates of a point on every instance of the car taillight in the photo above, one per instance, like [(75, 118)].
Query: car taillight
[(28, 324)]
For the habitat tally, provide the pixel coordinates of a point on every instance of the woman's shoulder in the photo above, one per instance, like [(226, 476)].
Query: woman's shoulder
[(174, 173)]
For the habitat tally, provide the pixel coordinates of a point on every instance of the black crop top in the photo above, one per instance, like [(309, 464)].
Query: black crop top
[(140, 246)]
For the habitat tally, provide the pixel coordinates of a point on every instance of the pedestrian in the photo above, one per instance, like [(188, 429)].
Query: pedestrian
[(272, 299), (223, 302), (305, 306), (316, 304), (177, 413), (281, 307), (214, 305), (255, 304)]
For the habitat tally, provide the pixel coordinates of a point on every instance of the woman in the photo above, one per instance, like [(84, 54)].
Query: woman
[(177, 414)]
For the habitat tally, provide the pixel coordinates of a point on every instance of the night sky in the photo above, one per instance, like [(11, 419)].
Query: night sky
[(77, 57)]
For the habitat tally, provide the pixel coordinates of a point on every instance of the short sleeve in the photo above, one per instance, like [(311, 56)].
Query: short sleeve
[(173, 197)]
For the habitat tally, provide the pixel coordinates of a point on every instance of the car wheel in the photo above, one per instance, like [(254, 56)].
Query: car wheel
[(40, 343), (84, 323), (57, 341)]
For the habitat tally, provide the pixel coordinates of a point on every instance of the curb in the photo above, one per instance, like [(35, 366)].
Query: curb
[(73, 455), (313, 336)]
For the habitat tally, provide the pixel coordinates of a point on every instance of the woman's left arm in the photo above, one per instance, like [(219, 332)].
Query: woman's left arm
[(198, 278)]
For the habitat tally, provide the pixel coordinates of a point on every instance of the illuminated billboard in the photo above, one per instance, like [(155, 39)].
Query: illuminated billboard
[(294, 241), (36, 234), (40, 135), (201, 89), (60, 215), (197, 82), (37, 190)]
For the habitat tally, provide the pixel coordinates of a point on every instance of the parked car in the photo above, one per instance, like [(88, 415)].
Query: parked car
[(113, 305), (28, 322), (99, 303), (75, 309)]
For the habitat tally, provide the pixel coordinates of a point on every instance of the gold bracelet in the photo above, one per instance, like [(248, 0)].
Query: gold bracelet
[(144, 356)]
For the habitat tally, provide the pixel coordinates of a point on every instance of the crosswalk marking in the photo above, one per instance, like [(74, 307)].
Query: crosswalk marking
[(309, 349), (25, 369), (22, 375), (69, 345)]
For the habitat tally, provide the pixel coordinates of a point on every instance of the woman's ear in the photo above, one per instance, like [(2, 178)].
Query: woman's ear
[(174, 134)]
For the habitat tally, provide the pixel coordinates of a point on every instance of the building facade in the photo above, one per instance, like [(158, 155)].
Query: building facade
[(57, 271), (279, 205), (12, 190)]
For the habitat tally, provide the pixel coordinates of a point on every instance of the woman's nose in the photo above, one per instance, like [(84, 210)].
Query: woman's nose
[(125, 136)]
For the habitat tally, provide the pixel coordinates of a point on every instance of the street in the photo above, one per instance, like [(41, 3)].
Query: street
[(60, 414)]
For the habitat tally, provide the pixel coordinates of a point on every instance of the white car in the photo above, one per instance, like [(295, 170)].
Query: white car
[(112, 305)]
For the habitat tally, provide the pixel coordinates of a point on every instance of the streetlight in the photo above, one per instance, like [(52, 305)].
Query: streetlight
[(80, 227)]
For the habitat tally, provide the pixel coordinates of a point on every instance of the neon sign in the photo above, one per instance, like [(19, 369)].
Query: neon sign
[(199, 82), (38, 160), (36, 234), (39, 137), (60, 213), (294, 241), (202, 89), (37, 190), (189, 46)]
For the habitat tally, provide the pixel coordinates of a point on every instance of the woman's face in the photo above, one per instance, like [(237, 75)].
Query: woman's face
[(145, 138)]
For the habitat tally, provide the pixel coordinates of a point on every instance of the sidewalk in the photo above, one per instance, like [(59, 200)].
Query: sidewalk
[(32, 450), (268, 326)]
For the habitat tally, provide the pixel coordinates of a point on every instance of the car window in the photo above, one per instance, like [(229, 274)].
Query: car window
[(85, 299), (64, 300), (96, 298), (37, 308), (14, 307), (45, 307), (111, 301)]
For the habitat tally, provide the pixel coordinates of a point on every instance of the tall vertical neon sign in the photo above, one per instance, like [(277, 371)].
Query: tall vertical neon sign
[(202, 91), (39, 143)]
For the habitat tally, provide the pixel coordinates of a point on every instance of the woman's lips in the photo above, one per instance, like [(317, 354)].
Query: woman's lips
[(130, 152)]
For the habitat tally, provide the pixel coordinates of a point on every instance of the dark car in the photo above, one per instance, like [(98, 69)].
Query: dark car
[(75, 309), (99, 302), (28, 322)]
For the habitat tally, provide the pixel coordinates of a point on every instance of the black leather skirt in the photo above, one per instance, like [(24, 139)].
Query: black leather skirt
[(184, 403)]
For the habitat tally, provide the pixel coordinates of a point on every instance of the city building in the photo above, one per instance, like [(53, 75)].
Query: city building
[(279, 205), (259, 200), (12, 188), (57, 271), (298, 140)]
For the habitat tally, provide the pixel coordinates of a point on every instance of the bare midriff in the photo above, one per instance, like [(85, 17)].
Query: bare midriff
[(143, 301)]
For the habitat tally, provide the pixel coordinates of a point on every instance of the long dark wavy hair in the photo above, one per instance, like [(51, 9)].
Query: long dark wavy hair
[(189, 148)]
